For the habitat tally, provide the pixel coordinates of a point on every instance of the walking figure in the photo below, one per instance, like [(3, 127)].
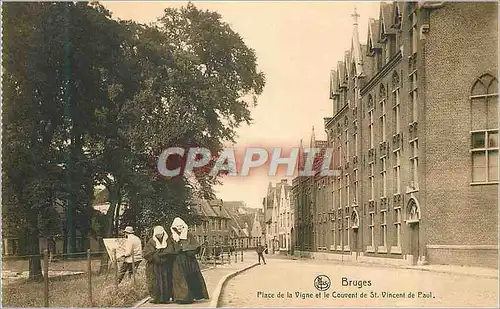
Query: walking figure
[(260, 252)]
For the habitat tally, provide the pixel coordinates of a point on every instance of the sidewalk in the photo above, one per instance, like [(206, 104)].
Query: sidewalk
[(213, 279), (481, 272), (459, 270)]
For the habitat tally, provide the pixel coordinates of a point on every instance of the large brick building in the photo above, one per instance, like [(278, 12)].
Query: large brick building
[(415, 133)]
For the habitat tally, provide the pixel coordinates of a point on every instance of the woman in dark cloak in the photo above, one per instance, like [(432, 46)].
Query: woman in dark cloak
[(188, 282), (159, 253)]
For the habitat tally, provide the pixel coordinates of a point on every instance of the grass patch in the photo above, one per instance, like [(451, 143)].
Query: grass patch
[(21, 265), (73, 292)]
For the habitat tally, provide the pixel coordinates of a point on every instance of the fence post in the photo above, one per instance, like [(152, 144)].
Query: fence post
[(229, 255), (46, 277), (115, 262), (235, 254), (133, 267), (214, 256), (222, 255), (242, 253), (89, 269)]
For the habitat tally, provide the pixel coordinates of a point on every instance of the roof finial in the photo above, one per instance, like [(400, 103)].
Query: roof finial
[(355, 15)]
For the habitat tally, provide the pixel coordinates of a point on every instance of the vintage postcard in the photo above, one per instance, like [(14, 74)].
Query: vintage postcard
[(250, 154)]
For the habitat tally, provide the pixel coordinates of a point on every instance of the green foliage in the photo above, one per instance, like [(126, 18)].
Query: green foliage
[(90, 100)]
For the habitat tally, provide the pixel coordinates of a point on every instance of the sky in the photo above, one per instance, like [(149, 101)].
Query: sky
[(297, 44)]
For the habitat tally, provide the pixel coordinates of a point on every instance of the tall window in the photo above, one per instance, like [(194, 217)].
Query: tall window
[(341, 154), (341, 196), (414, 162), (397, 226), (382, 113), (356, 92), (370, 127), (333, 241), (371, 182), (484, 130), (397, 171), (383, 228), (339, 233), (346, 231), (383, 174), (339, 193), (414, 29), (356, 185), (347, 191), (396, 106), (414, 96), (334, 195), (347, 145), (371, 227), (355, 146)]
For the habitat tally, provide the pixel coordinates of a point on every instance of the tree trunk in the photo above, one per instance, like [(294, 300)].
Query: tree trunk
[(65, 239), (35, 265)]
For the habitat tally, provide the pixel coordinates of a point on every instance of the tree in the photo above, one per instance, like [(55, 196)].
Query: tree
[(79, 114), (33, 114)]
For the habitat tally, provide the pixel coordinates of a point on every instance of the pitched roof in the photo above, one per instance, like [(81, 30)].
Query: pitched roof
[(386, 19), (101, 197), (241, 217), (209, 208), (372, 37), (333, 83)]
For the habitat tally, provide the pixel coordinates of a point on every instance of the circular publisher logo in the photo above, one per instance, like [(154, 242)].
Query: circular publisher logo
[(322, 283)]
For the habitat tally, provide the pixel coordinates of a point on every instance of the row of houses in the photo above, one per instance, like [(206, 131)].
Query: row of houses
[(414, 128), (229, 223)]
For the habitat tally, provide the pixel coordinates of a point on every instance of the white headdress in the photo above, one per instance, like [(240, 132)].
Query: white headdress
[(181, 226), (159, 230)]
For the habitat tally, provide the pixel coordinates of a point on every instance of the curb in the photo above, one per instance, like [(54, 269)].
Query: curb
[(214, 303), (145, 300), (454, 273), (367, 264)]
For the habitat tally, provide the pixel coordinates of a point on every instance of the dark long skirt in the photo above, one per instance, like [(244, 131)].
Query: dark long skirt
[(188, 281), (160, 281)]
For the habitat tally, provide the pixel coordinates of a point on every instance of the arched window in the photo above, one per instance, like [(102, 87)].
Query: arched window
[(369, 102), (484, 129), (382, 92), (413, 211), (397, 17), (395, 80)]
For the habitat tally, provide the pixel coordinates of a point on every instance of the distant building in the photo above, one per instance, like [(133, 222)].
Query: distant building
[(246, 224), (215, 227), (279, 217), (14, 240)]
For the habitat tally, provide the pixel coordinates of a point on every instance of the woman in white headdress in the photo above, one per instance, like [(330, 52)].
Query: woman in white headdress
[(159, 253), (188, 282)]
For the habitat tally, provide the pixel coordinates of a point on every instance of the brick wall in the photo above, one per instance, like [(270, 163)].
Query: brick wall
[(462, 44)]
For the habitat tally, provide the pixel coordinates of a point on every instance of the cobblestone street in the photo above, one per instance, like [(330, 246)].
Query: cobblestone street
[(289, 277)]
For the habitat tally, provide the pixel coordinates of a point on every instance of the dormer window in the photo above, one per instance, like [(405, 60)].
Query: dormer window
[(397, 17), (383, 37), (371, 51)]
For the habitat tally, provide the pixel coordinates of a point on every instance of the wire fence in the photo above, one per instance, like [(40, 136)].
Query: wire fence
[(88, 279)]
